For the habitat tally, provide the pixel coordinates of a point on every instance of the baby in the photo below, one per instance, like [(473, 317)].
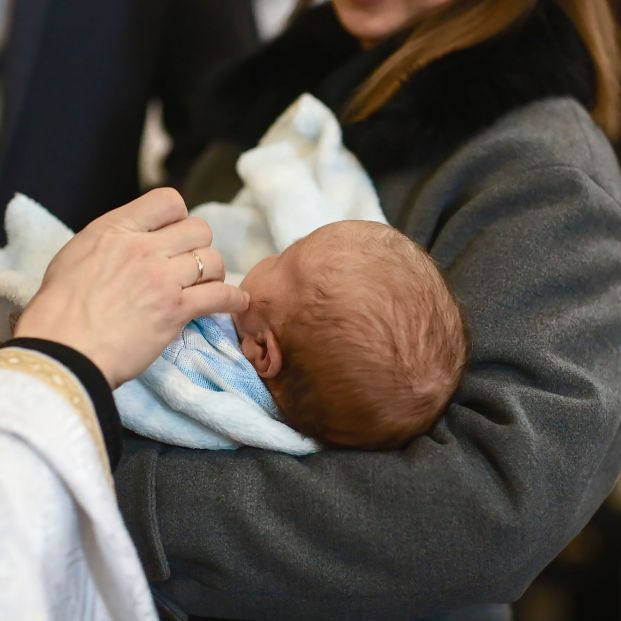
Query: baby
[(356, 335)]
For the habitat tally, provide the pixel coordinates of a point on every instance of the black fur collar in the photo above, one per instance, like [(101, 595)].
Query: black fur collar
[(437, 109)]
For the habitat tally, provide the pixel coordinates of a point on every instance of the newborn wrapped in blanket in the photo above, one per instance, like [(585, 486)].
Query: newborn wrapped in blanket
[(300, 177)]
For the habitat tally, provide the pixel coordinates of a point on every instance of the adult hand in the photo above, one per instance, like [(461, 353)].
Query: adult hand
[(123, 287)]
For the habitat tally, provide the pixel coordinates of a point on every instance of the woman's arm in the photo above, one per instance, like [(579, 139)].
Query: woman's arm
[(526, 225)]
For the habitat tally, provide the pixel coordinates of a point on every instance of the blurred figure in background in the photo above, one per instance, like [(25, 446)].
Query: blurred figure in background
[(77, 78)]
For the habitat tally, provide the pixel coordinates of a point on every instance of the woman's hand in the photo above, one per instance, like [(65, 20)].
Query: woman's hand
[(123, 287)]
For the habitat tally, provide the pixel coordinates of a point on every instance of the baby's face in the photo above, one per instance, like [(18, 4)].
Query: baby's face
[(271, 284), (275, 282)]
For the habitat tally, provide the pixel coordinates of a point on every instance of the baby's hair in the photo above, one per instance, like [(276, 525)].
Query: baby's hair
[(377, 346)]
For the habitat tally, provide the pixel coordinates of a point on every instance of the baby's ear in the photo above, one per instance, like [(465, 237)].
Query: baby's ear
[(263, 352), (273, 359)]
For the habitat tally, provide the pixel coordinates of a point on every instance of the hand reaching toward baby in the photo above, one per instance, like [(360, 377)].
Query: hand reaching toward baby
[(123, 287)]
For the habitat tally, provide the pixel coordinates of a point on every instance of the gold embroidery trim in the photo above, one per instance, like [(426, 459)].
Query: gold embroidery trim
[(63, 382)]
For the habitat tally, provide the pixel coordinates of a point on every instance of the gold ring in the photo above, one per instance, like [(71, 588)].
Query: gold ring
[(199, 264)]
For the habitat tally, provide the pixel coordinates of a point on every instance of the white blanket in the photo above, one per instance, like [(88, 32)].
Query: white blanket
[(297, 179)]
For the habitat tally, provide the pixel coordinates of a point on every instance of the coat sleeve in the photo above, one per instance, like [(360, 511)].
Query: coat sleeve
[(467, 514)]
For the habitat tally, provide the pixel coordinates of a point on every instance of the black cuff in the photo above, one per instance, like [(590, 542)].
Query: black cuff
[(94, 383)]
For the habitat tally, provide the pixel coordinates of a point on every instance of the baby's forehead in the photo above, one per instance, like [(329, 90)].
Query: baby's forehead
[(322, 247), (346, 237), (356, 249), (340, 250), (339, 236)]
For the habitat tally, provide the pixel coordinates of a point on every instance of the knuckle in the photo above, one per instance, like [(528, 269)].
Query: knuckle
[(203, 228), (217, 263), (173, 201), (114, 243)]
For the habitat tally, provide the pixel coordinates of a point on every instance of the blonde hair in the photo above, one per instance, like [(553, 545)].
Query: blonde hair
[(377, 343), (461, 24)]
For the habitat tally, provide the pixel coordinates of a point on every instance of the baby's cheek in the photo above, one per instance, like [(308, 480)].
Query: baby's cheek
[(238, 324), (246, 322)]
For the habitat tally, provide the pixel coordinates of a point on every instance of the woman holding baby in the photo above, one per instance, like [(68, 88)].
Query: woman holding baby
[(485, 127)]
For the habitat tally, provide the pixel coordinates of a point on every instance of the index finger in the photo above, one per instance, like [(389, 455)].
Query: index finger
[(213, 297), (150, 212)]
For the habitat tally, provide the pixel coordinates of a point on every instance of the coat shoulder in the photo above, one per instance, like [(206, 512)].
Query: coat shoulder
[(550, 133)]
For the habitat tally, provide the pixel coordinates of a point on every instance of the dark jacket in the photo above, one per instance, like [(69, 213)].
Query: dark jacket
[(489, 159), (77, 78)]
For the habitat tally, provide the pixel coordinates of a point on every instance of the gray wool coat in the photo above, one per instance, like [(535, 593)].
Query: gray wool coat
[(523, 214)]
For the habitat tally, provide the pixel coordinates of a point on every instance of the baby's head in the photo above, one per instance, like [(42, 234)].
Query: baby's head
[(355, 334)]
